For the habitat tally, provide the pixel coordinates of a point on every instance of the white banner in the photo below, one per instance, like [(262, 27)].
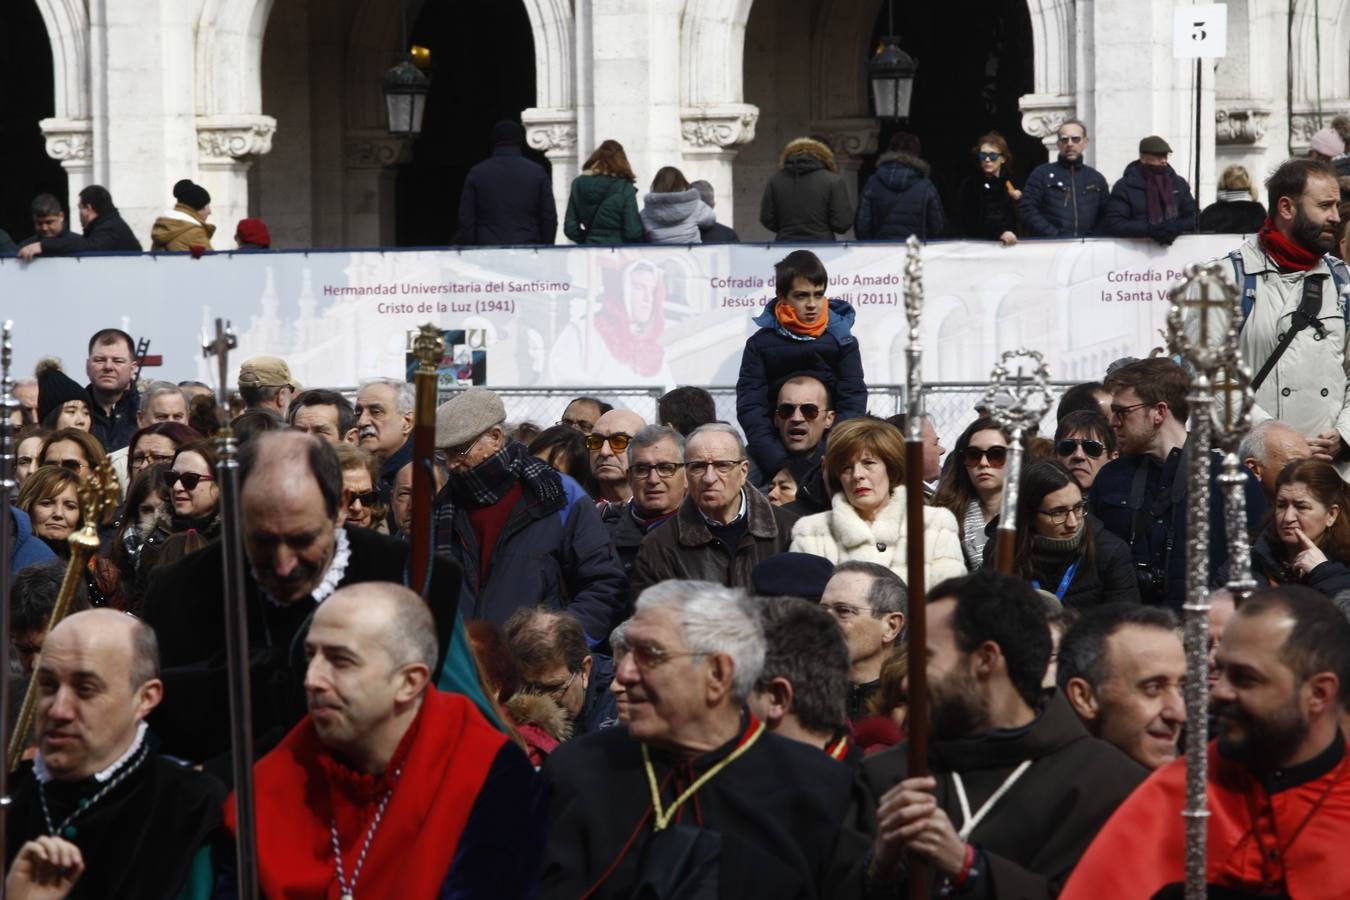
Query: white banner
[(642, 315)]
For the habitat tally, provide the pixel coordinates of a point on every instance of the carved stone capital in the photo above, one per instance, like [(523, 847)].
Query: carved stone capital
[(1305, 122), (371, 150), (69, 140), (225, 140), (1042, 114), (554, 131), (717, 129), (848, 139), (1241, 122)]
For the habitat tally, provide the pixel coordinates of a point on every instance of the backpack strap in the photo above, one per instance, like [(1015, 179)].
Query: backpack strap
[(1340, 278), (1246, 281)]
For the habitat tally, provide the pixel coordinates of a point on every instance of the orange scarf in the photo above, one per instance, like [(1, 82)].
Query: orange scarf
[(787, 317)]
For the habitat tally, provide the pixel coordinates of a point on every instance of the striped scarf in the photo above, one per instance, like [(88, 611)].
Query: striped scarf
[(488, 482)]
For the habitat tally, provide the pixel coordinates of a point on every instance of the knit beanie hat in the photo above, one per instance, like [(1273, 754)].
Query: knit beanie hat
[(55, 389), (253, 232), (194, 195), (1327, 142), (508, 132)]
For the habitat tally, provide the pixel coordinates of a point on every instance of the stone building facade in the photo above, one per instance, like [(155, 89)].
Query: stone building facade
[(275, 105)]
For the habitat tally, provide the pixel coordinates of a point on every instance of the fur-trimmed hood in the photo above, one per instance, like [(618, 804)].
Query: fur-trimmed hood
[(900, 171), (809, 154), (544, 712)]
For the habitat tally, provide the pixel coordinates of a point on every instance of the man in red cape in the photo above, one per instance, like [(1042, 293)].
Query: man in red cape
[(1279, 778), (389, 787)]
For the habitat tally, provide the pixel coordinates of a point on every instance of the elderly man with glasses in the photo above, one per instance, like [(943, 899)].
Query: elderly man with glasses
[(525, 534), (695, 795), (1064, 198), (724, 527), (549, 649), (656, 482), (609, 463)]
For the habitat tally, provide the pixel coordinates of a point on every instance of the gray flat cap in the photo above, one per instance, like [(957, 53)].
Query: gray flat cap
[(467, 415)]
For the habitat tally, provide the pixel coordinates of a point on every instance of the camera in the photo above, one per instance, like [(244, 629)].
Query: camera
[(1152, 580)]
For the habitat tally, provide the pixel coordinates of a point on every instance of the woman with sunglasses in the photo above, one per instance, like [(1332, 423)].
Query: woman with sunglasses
[(195, 508), (1060, 549), (864, 468), (971, 487), (51, 498), (988, 199), (361, 504), (1084, 442), (1307, 540), (73, 449)]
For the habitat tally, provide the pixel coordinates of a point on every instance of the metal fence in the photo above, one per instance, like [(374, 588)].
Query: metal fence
[(950, 405)]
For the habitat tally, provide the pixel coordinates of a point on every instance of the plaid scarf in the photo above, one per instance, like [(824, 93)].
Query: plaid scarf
[(489, 481)]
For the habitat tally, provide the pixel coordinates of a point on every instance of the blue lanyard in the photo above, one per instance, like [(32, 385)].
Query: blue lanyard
[(1064, 582)]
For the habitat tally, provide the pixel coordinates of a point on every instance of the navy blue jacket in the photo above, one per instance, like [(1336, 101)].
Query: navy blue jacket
[(772, 354), (557, 556), (898, 201), (600, 709), (507, 199), (1127, 209), (1110, 501), (114, 431), (1062, 199), (25, 549)]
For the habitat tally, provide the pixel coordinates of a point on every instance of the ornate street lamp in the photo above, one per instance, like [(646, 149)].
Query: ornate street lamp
[(405, 97), (891, 71)]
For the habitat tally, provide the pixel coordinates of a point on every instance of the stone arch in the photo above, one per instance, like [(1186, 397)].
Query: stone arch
[(712, 46), (843, 31), (372, 41), (1055, 67), (67, 24), (554, 58), (229, 56), (1309, 70)]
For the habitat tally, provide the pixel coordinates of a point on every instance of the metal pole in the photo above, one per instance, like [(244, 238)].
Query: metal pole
[(236, 623), (429, 348), (1028, 402), (8, 405)]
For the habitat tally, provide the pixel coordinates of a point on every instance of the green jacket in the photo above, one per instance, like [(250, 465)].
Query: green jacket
[(609, 204)]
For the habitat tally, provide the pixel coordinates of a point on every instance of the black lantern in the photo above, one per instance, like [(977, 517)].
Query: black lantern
[(891, 71), (405, 97)]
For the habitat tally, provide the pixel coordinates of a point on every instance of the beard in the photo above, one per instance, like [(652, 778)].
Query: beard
[(1265, 743), (956, 708), (1310, 236)]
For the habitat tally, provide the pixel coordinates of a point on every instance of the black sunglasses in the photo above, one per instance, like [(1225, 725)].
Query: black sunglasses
[(367, 498), (190, 479), (986, 156), (809, 410), (997, 456), (1066, 446)]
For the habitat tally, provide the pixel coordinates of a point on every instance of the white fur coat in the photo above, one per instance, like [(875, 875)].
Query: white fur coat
[(841, 534)]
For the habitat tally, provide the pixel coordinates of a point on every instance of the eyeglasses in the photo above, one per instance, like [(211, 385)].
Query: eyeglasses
[(366, 498), (986, 156), (1066, 447), (809, 410), (579, 424), (190, 480), (1120, 412), (462, 449), (720, 466), (552, 691), (151, 459), (1060, 514), (997, 456), (1070, 138), (73, 465), (663, 470), (649, 656), (618, 441)]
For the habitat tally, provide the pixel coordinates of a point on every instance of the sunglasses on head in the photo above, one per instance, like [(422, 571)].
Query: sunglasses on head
[(987, 156), (809, 410), (618, 441), (997, 456), (1066, 446), (190, 480)]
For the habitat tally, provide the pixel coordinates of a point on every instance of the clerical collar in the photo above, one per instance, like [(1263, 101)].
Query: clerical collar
[(43, 776), (337, 567), (713, 523), (1313, 769)]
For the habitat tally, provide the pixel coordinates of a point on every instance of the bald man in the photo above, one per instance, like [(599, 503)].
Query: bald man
[(120, 819), (297, 555), (608, 447), (450, 797)]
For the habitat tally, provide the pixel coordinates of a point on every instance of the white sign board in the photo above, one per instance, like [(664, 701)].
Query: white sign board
[(1200, 32)]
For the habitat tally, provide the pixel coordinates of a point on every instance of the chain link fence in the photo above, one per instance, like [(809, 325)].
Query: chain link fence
[(950, 405)]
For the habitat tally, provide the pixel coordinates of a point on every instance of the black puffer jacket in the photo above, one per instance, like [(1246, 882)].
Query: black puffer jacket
[(1232, 217), (898, 201), (987, 209), (1127, 208), (1064, 198), (507, 199), (806, 200)]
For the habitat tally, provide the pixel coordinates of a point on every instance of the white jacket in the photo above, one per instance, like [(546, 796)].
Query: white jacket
[(841, 534)]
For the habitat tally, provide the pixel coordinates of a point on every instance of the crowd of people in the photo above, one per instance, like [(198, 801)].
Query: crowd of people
[(669, 658)]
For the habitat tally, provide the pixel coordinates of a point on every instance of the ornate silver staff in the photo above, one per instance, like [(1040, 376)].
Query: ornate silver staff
[(8, 406), (917, 624), (1028, 402), (236, 621), (1201, 329)]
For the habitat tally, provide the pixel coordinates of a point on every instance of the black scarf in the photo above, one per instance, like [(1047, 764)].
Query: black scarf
[(489, 481)]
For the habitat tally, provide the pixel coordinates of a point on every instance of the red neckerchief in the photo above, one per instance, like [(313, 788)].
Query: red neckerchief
[(445, 758), (1290, 257)]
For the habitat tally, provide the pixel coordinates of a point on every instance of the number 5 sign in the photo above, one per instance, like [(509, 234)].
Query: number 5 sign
[(1200, 32)]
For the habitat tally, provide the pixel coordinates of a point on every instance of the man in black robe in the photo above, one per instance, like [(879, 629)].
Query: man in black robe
[(297, 556), (694, 798), (126, 821), (1018, 787)]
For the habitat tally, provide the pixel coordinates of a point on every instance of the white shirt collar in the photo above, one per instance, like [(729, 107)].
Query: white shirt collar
[(716, 524), (332, 577), (41, 773)]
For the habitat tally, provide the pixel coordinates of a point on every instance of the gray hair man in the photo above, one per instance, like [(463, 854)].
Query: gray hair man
[(384, 421), (162, 401), (657, 484), (869, 603), (724, 527), (266, 382), (1267, 448), (689, 756)]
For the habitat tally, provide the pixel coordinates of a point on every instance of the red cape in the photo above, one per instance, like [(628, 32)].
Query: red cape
[(1142, 846), (445, 757)]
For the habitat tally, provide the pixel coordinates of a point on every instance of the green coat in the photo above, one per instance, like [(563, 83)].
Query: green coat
[(609, 204)]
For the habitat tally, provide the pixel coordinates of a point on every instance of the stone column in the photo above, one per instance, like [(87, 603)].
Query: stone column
[(226, 149), (850, 140), (369, 159), (554, 131), (712, 137), (1240, 137), (70, 141), (1042, 114)]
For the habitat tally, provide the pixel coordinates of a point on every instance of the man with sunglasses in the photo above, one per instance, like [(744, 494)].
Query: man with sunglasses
[(655, 458), (607, 445), (804, 416), (1084, 442), (525, 534), (1064, 198)]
